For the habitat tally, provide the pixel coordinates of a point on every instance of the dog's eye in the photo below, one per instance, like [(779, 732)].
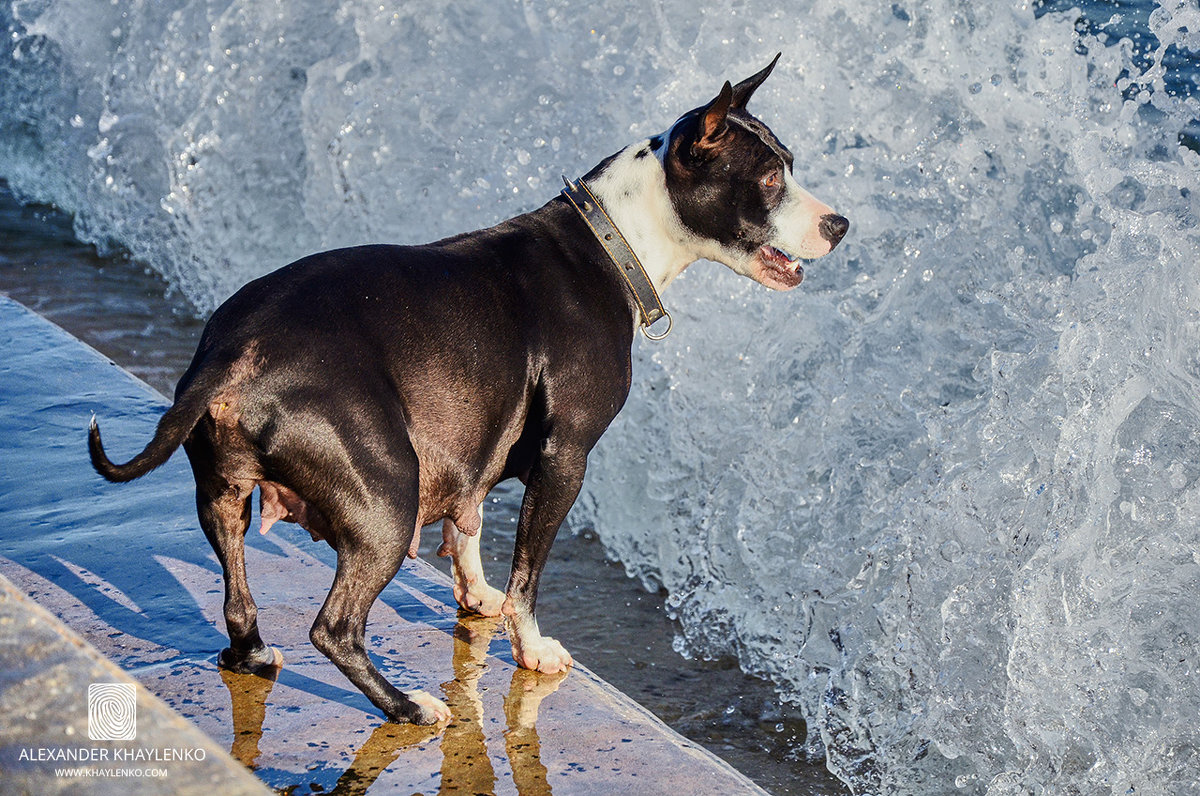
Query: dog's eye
[(771, 181)]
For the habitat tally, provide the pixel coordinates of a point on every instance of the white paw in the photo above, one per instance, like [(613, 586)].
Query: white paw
[(543, 654), (435, 710), (479, 598)]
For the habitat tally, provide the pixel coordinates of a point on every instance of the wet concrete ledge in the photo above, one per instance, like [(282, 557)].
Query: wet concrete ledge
[(127, 568), (46, 746)]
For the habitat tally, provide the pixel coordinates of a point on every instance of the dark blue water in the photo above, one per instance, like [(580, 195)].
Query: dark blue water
[(1128, 20)]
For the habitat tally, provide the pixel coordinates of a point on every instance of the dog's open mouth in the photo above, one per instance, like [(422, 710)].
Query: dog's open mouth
[(780, 269)]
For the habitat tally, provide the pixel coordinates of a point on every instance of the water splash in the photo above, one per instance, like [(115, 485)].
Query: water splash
[(946, 495)]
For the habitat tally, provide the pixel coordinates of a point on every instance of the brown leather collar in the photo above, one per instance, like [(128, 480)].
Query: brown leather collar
[(622, 256)]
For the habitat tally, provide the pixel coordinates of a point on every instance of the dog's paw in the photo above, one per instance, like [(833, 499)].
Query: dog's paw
[(542, 655), (256, 662), (479, 598), (428, 708)]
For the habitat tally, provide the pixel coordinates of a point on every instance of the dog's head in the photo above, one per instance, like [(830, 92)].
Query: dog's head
[(730, 182)]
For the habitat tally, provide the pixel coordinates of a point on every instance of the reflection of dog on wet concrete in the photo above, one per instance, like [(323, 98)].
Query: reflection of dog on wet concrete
[(370, 391), (467, 766)]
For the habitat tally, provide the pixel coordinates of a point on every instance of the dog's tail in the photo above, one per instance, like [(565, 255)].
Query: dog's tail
[(173, 428)]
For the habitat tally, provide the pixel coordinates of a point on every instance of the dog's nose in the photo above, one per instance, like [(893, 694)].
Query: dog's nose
[(833, 228)]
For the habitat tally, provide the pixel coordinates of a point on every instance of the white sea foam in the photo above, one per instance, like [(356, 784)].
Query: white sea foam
[(946, 495)]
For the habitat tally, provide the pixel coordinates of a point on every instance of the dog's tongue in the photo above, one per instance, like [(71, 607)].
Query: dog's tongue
[(777, 258)]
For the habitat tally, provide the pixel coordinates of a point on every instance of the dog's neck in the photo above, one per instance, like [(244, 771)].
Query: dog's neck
[(632, 186)]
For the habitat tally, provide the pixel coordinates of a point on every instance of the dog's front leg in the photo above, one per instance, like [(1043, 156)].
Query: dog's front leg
[(553, 485), (470, 589)]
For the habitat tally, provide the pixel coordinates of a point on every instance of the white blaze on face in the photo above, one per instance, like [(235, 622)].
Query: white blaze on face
[(797, 222), (795, 235)]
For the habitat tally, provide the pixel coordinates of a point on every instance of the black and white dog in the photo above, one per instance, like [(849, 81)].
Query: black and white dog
[(370, 391)]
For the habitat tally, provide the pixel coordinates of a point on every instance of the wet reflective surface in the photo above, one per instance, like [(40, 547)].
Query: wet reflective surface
[(466, 764)]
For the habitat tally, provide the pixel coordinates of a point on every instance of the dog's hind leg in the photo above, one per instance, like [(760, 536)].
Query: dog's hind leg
[(224, 509), (471, 590), (364, 568), (373, 533), (225, 516)]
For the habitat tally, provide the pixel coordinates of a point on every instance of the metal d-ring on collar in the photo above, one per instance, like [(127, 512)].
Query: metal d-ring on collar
[(619, 251)]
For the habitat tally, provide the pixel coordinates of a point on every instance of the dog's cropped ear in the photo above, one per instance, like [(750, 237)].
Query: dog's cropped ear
[(742, 91), (713, 124)]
